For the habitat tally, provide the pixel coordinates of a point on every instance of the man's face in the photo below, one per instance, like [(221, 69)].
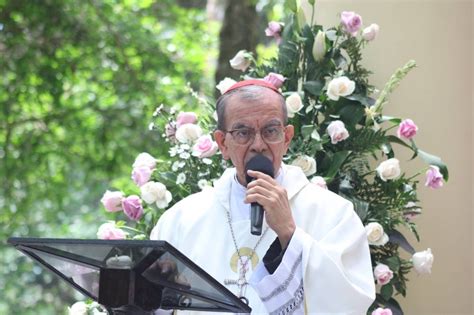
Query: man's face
[(255, 114)]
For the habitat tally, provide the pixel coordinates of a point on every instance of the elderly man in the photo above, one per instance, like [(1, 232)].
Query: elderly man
[(312, 256)]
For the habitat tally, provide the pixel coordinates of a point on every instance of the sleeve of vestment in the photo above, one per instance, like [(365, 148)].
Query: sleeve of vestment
[(327, 273)]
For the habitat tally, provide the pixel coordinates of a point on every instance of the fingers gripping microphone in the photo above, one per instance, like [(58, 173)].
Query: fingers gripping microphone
[(261, 164)]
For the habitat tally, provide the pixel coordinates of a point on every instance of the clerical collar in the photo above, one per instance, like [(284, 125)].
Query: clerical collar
[(239, 209)]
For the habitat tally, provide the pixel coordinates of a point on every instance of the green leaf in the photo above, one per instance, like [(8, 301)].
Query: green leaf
[(386, 291), (393, 305), (313, 87), (306, 130), (398, 238), (335, 163), (434, 160), (395, 139), (352, 114), (400, 287), (364, 100), (315, 135), (393, 263), (361, 207), (291, 4), (167, 178)]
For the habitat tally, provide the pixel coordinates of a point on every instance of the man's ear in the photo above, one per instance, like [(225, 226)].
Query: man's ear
[(289, 133), (219, 136)]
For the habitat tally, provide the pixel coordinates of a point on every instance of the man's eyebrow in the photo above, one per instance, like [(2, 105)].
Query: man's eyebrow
[(239, 125), (273, 122)]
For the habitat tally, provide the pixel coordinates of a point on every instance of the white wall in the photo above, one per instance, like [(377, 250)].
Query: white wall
[(438, 96)]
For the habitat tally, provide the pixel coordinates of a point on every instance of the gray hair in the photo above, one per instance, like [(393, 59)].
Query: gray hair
[(250, 93)]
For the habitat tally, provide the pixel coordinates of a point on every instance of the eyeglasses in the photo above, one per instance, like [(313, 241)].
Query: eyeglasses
[(269, 134)]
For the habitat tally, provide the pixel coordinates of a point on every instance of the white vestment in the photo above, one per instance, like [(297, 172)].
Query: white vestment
[(326, 268)]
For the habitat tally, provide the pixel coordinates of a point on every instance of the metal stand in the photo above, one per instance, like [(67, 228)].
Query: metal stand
[(129, 310)]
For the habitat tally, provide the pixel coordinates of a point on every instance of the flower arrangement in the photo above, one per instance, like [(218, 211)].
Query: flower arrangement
[(342, 142)]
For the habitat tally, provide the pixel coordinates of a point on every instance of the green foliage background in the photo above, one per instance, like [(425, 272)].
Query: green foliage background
[(79, 83)]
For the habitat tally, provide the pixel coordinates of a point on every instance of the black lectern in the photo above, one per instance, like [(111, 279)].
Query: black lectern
[(131, 277)]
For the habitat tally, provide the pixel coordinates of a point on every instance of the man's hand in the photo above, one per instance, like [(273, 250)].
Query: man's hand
[(274, 200)]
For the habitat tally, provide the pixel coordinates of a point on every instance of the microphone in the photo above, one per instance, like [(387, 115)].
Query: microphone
[(261, 164)]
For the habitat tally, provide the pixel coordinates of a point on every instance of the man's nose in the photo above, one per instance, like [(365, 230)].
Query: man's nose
[(258, 144)]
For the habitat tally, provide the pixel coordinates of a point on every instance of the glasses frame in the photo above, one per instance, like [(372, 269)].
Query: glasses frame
[(254, 134)]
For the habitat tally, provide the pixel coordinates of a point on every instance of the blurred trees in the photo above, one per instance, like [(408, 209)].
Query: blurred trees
[(80, 81), (237, 33)]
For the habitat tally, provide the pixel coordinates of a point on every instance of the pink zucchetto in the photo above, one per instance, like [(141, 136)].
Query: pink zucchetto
[(256, 82)]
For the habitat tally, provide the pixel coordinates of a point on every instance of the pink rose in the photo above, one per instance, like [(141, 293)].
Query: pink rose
[(132, 207), (337, 131), (383, 274), (351, 21), (369, 33), (108, 231), (204, 147), (274, 29), (112, 200), (185, 118), (407, 129), (144, 159), (141, 175), (275, 79), (434, 178), (382, 311)]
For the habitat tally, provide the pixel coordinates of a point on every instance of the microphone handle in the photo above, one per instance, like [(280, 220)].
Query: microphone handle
[(256, 219)]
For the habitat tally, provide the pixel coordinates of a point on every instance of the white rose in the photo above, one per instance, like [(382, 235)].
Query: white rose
[(375, 234), (224, 85), (293, 104), (370, 32), (78, 308), (202, 184), (341, 86), (389, 169), (180, 179), (241, 60), (319, 46), (306, 163), (337, 131), (319, 181), (188, 133), (423, 261), (144, 159), (155, 192)]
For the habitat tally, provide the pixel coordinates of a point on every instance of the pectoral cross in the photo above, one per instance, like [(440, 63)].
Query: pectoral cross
[(241, 282)]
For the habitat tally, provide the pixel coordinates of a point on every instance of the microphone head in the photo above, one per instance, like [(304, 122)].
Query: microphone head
[(259, 163)]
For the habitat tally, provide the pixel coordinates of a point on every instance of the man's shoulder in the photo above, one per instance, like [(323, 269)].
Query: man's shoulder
[(191, 206), (318, 210), (325, 196)]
